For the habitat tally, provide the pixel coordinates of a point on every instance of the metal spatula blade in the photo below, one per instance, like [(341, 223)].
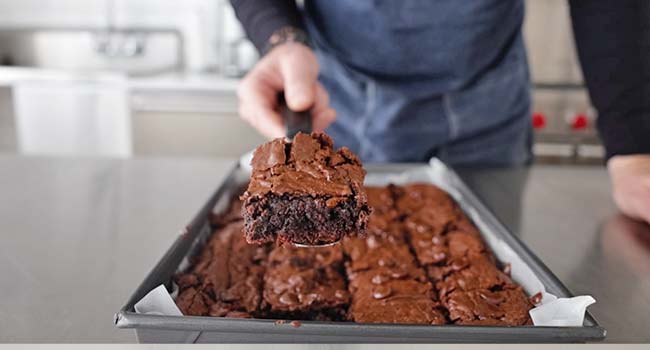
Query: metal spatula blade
[(300, 245)]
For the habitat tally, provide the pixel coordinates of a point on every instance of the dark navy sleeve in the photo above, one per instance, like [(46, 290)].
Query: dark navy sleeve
[(260, 18), (613, 42)]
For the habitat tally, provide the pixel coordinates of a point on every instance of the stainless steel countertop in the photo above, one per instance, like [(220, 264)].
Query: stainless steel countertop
[(79, 234)]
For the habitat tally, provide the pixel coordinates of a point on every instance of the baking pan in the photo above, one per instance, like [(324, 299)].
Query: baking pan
[(165, 329)]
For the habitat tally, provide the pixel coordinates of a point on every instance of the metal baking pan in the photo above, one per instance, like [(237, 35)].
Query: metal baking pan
[(165, 329)]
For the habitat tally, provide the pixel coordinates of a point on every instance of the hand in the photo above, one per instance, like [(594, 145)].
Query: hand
[(630, 176), (292, 68)]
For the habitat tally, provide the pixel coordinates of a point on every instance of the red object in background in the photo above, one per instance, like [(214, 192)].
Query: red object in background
[(539, 120), (579, 122)]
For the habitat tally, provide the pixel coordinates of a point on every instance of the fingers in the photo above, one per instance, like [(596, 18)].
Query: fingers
[(641, 199), (630, 177), (291, 68), (323, 115), (257, 105), (299, 73)]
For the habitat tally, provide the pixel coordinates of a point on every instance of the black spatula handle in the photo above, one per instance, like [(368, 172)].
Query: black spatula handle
[(294, 122)]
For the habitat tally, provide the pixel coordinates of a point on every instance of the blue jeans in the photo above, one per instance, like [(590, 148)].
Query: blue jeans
[(484, 123)]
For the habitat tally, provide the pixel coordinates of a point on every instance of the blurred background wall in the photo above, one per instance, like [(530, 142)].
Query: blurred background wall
[(157, 77)]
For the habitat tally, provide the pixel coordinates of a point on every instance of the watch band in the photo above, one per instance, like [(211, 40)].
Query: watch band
[(286, 35)]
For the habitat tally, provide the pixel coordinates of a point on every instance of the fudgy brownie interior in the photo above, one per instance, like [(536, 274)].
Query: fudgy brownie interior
[(304, 192), (422, 261)]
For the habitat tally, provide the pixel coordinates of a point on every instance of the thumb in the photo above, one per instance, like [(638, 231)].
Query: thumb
[(299, 83)]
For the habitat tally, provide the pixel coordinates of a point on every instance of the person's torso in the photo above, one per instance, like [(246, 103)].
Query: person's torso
[(447, 43)]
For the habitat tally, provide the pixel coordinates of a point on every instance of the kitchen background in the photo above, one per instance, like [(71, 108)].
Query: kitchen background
[(158, 77)]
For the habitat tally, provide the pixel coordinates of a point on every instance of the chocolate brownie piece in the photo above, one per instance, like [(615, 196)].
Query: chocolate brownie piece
[(413, 197), (378, 296), (439, 249), (464, 244), (382, 200), (379, 251), (433, 218), (301, 283), (194, 301), (429, 248), (484, 307), (471, 274), (428, 226), (464, 272), (304, 192), (226, 279), (384, 244), (386, 284)]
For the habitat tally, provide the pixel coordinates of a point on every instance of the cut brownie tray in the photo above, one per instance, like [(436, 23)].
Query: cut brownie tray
[(331, 324)]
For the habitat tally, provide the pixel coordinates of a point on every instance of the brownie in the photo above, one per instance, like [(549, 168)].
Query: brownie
[(434, 218), (226, 278), (301, 283), (464, 244), (459, 249), (379, 296), (376, 252), (417, 196), (385, 244), (421, 261), (382, 200), (386, 284), (193, 300), (508, 307), (471, 274), (305, 192)]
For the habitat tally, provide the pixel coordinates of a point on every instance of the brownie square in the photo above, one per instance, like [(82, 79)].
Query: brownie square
[(226, 279), (470, 274), (379, 251), (507, 307), (304, 192), (301, 283), (429, 248), (380, 297), (432, 249), (194, 301), (434, 219), (415, 196), (382, 200), (463, 244)]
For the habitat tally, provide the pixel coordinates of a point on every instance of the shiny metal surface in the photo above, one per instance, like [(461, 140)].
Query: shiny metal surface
[(78, 234)]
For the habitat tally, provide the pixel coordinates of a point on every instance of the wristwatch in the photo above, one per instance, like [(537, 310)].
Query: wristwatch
[(286, 35)]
